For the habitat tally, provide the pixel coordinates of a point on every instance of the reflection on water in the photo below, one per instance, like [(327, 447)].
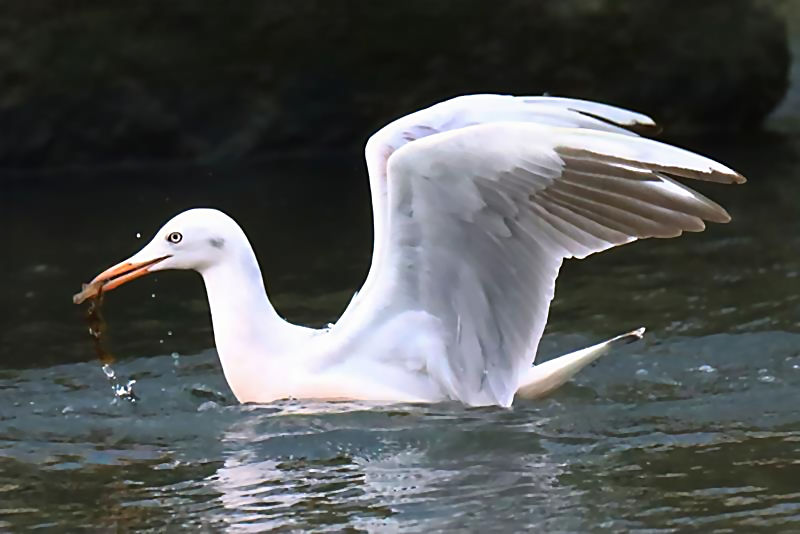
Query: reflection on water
[(695, 427)]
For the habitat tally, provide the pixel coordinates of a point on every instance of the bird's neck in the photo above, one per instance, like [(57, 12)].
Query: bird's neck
[(251, 337)]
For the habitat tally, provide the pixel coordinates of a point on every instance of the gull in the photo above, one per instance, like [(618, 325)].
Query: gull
[(477, 201)]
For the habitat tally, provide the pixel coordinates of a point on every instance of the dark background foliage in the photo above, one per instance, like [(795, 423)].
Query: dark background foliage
[(88, 82)]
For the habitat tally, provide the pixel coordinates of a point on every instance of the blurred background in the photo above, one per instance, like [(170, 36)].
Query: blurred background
[(115, 116), (91, 83)]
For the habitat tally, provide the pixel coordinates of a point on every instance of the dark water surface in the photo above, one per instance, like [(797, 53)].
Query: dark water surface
[(696, 428)]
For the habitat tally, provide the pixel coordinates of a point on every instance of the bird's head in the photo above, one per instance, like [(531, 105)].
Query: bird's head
[(197, 239)]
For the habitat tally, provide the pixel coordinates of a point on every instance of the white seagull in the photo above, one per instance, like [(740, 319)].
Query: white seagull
[(477, 201)]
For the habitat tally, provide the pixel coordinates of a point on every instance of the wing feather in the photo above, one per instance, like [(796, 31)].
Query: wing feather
[(481, 218), (470, 110), (478, 200)]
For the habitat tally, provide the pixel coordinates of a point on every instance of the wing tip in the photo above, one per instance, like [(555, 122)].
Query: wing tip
[(637, 123), (722, 174), (724, 217), (630, 337), (621, 117)]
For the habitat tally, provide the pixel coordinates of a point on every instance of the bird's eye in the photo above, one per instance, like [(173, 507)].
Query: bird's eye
[(174, 237)]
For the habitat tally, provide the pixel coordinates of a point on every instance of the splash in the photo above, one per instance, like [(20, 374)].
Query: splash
[(97, 328)]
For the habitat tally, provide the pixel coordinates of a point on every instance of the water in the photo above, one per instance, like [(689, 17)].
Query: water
[(696, 428)]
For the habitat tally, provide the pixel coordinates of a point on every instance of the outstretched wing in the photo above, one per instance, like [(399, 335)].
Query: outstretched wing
[(470, 110), (479, 219)]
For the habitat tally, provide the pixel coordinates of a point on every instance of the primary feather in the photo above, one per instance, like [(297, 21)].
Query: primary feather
[(481, 199)]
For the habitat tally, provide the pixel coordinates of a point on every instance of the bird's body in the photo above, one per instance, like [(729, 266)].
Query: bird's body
[(477, 201)]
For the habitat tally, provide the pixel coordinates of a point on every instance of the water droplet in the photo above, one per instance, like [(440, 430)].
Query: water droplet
[(641, 372), (175, 355), (68, 409), (152, 295), (705, 368), (138, 235), (208, 405), (110, 374), (169, 332), (161, 341), (124, 392), (766, 378)]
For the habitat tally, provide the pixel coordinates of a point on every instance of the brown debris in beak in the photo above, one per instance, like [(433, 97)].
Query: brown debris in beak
[(88, 291)]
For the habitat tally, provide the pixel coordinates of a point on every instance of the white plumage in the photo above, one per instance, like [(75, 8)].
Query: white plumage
[(477, 201)]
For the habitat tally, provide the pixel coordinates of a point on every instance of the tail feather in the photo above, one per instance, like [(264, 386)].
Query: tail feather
[(541, 380)]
